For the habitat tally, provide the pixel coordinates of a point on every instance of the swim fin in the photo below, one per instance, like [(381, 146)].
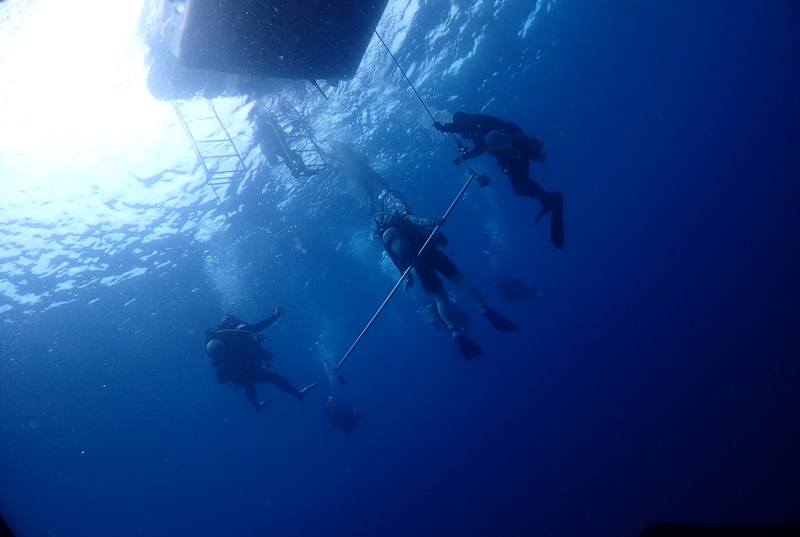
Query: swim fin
[(553, 202), (262, 404), (557, 222), (305, 390), (498, 321), (469, 349)]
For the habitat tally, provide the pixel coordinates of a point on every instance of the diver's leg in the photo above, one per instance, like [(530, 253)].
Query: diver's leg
[(268, 375), (446, 309), (438, 261), (552, 202), (458, 278), (521, 182), (518, 172), (250, 392), (467, 347), (298, 161)]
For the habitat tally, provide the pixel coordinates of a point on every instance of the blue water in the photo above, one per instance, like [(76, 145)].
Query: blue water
[(659, 380)]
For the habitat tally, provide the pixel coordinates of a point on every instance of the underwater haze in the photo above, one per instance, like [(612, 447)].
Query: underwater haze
[(655, 380)]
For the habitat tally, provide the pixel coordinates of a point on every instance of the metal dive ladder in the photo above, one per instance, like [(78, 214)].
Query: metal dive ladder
[(213, 145), (303, 143)]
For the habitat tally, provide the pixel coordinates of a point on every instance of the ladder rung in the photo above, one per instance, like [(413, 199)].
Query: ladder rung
[(221, 156)]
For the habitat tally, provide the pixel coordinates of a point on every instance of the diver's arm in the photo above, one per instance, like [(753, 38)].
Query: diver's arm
[(467, 130), (439, 239), (424, 222), (475, 131), (261, 325), (448, 127)]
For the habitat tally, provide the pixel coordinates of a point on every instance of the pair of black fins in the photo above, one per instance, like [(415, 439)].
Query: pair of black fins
[(557, 224), (470, 349)]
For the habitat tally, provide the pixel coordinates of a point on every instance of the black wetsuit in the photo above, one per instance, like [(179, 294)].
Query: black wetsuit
[(274, 141), (513, 160), (514, 152), (410, 230), (244, 359)]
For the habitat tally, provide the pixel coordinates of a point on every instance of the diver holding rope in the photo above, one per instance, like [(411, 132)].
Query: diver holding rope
[(514, 150), (407, 243)]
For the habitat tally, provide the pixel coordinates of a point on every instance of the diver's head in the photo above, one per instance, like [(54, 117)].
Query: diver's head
[(460, 117), (228, 322)]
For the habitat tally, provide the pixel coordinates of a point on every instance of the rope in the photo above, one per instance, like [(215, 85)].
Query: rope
[(400, 68), (447, 139)]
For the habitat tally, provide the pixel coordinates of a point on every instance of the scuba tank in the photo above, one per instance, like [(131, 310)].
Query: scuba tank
[(218, 355), (229, 350), (501, 142), (398, 246), (515, 145), (402, 239)]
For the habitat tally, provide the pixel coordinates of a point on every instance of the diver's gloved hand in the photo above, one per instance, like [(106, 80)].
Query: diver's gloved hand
[(439, 222), (438, 126), (409, 283), (278, 311), (458, 160)]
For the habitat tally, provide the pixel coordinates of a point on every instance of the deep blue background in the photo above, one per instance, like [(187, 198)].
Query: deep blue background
[(660, 381)]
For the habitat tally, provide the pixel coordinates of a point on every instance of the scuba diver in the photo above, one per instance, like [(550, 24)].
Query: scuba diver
[(514, 150), (343, 416), (274, 144), (403, 237), (237, 356)]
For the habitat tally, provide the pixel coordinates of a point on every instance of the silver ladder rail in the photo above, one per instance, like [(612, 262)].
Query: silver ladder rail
[(219, 157)]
